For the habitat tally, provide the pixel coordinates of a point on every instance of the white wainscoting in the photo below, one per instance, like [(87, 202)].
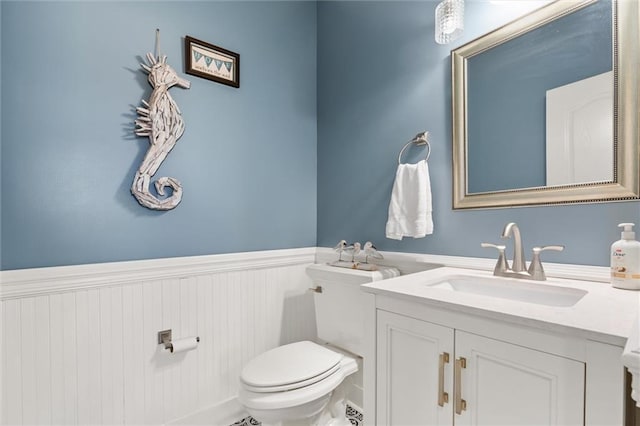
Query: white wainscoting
[(79, 343)]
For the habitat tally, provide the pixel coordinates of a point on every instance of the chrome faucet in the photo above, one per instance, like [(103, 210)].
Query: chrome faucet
[(519, 265)]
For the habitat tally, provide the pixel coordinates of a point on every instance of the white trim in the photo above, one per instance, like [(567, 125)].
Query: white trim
[(415, 262), (631, 360), (225, 413), (39, 281)]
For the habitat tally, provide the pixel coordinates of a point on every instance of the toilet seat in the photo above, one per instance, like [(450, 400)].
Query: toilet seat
[(301, 391), (290, 367)]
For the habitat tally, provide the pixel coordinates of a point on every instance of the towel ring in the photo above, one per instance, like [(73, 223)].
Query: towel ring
[(419, 139)]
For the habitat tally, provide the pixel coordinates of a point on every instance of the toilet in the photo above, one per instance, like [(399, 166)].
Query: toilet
[(306, 383)]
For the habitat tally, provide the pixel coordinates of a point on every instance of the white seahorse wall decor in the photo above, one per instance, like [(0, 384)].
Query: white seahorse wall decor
[(160, 120)]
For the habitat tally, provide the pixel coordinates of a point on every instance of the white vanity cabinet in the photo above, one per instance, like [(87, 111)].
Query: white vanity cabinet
[(412, 371), (484, 355), (430, 374), (507, 384)]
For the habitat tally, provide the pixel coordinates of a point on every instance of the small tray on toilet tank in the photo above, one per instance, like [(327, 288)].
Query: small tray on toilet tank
[(349, 275)]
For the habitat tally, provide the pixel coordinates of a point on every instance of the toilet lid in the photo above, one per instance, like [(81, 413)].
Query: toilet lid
[(285, 367)]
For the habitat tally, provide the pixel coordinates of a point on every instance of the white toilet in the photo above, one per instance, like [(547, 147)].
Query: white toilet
[(303, 383)]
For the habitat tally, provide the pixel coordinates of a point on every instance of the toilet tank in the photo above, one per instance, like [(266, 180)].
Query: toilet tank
[(340, 307)]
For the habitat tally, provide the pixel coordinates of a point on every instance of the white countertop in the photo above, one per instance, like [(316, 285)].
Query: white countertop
[(604, 314)]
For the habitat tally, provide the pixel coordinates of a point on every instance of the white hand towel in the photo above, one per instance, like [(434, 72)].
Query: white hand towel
[(410, 205)]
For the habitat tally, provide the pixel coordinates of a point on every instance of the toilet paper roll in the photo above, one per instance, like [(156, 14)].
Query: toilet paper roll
[(183, 345)]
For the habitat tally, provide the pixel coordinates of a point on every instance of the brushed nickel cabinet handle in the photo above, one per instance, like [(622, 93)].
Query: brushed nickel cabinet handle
[(443, 397), (460, 404), (317, 289)]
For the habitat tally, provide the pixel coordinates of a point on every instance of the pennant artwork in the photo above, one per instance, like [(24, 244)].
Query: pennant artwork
[(212, 62)]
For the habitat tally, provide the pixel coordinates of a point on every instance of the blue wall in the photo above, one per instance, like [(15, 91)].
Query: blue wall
[(382, 79), (70, 82)]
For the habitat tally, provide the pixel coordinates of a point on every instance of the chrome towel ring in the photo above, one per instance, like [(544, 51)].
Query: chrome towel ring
[(419, 139)]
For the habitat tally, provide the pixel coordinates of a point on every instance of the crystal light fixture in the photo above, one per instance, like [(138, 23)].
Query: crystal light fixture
[(449, 20)]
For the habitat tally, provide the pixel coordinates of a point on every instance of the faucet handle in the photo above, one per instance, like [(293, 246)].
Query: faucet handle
[(501, 265), (535, 268), (499, 247), (545, 248)]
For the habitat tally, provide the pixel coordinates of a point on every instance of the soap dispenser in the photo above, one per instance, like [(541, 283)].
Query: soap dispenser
[(625, 260)]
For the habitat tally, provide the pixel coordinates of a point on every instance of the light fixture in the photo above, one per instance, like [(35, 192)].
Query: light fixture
[(449, 20)]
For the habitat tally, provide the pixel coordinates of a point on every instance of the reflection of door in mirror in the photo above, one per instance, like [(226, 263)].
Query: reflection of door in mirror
[(506, 89), (580, 131)]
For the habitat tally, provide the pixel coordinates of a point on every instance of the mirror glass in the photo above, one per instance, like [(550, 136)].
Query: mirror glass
[(538, 110)]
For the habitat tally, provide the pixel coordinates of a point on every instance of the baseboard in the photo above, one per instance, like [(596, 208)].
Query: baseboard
[(223, 414), (230, 412)]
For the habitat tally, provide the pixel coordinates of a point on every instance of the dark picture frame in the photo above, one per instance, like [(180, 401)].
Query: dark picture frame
[(212, 62)]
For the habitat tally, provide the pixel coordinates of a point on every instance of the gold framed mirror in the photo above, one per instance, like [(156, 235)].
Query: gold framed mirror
[(480, 178)]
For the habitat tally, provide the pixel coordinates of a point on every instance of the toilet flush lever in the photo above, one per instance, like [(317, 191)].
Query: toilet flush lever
[(317, 289)]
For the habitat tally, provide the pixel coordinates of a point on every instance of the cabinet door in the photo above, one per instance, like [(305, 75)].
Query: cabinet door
[(505, 384), (409, 377)]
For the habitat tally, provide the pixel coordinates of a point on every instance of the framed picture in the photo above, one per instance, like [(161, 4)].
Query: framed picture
[(208, 61)]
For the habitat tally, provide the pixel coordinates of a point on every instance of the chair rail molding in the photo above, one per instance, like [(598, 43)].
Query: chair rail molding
[(41, 281)]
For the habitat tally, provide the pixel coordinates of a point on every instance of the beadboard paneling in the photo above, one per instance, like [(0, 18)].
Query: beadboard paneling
[(76, 355)]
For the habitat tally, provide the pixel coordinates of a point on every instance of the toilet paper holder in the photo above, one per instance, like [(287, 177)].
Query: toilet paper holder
[(164, 338)]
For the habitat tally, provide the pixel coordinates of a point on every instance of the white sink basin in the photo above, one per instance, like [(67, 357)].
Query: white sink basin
[(512, 289)]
